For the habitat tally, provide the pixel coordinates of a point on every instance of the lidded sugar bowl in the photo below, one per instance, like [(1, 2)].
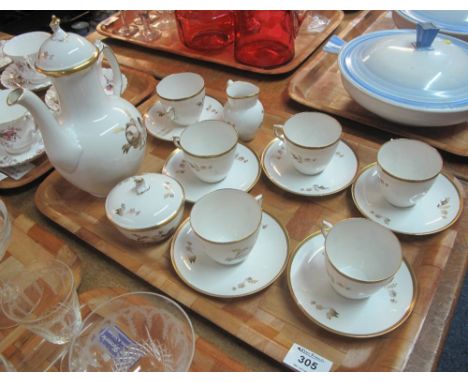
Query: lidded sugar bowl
[(96, 140), (146, 208)]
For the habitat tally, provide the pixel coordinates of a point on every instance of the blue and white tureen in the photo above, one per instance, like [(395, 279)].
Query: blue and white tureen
[(454, 23), (418, 79)]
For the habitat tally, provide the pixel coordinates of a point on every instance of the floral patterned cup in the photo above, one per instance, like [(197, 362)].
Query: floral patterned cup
[(22, 49), (209, 149), (360, 256), (311, 140), (407, 169), (227, 223), (181, 97), (17, 127)]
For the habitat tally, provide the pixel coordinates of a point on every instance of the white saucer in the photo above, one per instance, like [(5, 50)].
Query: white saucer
[(52, 101), (338, 175), (36, 150), (436, 211), (243, 175), (164, 128), (12, 72), (381, 313), (262, 267)]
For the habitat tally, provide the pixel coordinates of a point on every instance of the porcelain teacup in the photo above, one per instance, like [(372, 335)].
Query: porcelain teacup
[(361, 256), (311, 140), (407, 169), (17, 127), (181, 97), (209, 149), (23, 49), (227, 223)]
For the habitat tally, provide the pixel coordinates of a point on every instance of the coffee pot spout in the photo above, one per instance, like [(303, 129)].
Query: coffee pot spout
[(62, 147)]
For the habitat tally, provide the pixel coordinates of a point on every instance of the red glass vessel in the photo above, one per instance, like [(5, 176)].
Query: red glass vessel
[(205, 30), (265, 39)]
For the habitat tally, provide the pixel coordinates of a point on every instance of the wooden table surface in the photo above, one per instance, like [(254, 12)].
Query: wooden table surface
[(99, 271)]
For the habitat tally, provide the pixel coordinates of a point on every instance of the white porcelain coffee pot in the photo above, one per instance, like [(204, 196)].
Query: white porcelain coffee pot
[(243, 109), (96, 140)]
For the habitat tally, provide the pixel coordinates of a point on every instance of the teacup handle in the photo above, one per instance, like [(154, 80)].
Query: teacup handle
[(325, 227), (259, 199), (279, 131), (176, 141), (116, 73), (163, 111)]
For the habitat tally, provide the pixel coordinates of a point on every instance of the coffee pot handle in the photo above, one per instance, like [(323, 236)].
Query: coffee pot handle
[(116, 73)]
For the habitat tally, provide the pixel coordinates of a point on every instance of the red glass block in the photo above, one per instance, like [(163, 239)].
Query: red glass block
[(205, 30), (265, 39)]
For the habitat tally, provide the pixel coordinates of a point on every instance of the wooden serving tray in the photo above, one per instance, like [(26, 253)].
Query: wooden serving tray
[(140, 86), (30, 244), (306, 43), (318, 85), (269, 321)]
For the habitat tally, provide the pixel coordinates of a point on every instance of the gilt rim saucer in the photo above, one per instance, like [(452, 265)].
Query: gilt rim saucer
[(12, 70), (161, 127), (263, 266), (339, 174), (36, 150), (377, 315), (438, 210), (243, 175)]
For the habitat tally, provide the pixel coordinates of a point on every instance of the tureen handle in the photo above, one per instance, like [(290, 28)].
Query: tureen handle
[(116, 73), (425, 35), (334, 45)]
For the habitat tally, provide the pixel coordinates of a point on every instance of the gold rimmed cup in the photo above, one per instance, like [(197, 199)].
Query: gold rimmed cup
[(361, 256), (182, 96), (227, 223), (407, 169), (311, 140), (209, 149)]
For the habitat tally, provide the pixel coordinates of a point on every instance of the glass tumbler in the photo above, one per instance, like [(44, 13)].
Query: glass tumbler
[(205, 30), (265, 39), (43, 299)]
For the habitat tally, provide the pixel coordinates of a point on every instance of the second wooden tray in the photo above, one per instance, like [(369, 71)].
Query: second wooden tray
[(269, 321), (317, 84), (306, 43)]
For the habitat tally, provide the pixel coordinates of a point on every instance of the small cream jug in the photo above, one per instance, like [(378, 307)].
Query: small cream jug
[(243, 109), (96, 140)]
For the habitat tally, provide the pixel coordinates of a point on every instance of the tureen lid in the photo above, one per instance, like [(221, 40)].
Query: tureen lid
[(448, 21), (9, 113), (145, 201), (418, 70), (64, 53)]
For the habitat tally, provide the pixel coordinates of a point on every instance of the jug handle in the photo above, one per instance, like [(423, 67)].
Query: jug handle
[(116, 73)]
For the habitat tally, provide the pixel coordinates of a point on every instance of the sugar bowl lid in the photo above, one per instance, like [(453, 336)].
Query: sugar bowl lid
[(422, 70), (64, 53), (145, 201)]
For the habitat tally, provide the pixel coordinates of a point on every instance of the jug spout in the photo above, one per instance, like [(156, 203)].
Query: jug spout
[(62, 146)]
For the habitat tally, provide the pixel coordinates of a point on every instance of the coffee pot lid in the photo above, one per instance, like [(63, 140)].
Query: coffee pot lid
[(64, 53)]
